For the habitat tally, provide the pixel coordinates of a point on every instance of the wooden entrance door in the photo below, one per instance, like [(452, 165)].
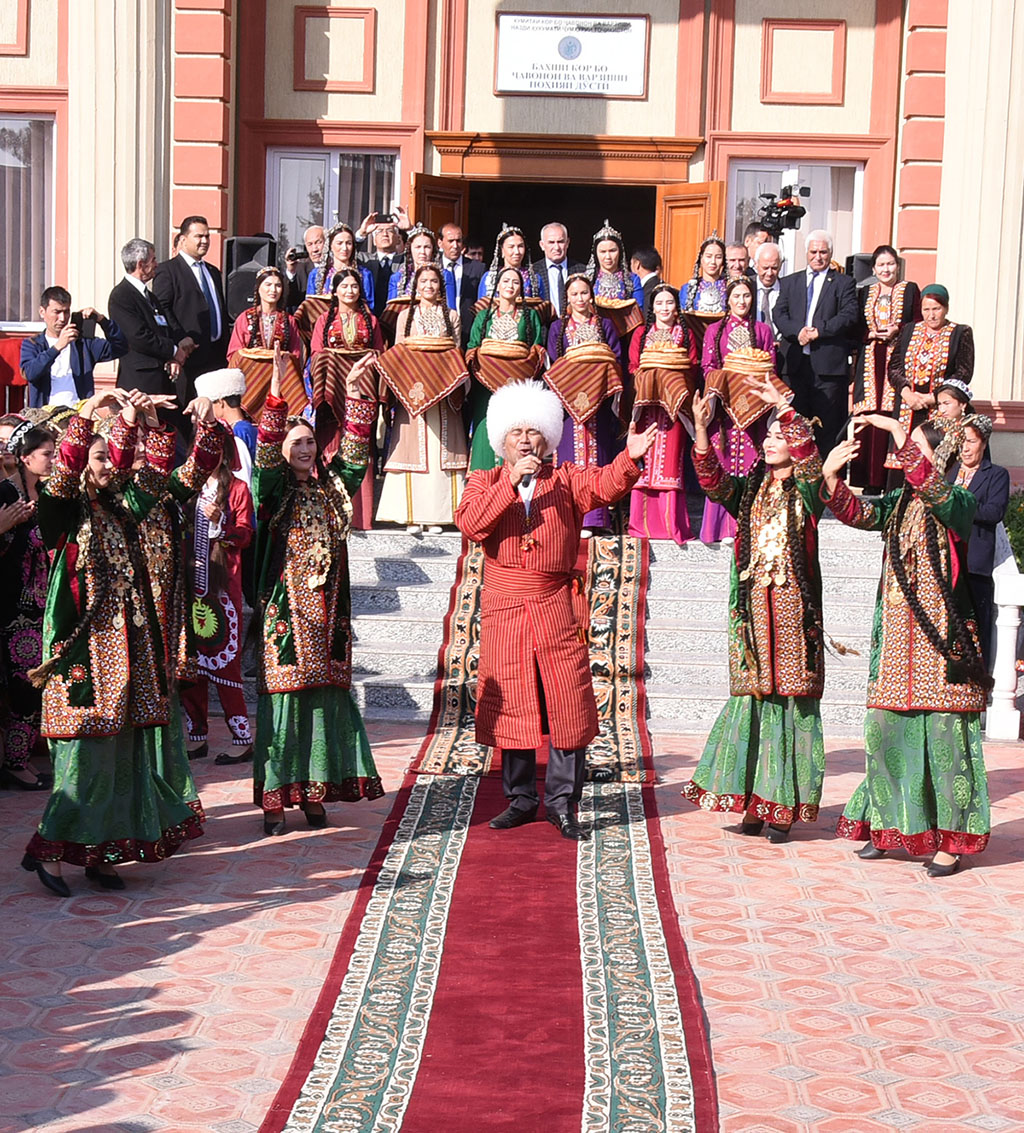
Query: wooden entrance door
[(686, 213), (438, 201)]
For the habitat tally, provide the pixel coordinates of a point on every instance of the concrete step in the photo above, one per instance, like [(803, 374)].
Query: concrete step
[(384, 599), (395, 660), (413, 698), (376, 570), (417, 629)]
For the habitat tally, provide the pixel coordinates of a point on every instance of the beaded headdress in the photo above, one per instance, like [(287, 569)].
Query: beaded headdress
[(496, 263), (981, 423), (957, 387), (325, 284), (714, 238), (606, 232)]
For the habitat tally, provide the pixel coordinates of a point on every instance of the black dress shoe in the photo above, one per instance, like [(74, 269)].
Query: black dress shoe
[(752, 829), (273, 829), (224, 758), (511, 818), (568, 827), (106, 880), (870, 852), (200, 752), (316, 821), (934, 869), (50, 881), (9, 779), (778, 834)]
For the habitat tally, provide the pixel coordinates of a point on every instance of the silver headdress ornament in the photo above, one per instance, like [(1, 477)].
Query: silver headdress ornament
[(607, 233), (420, 229), (505, 231), (955, 384), (326, 265), (980, 422)]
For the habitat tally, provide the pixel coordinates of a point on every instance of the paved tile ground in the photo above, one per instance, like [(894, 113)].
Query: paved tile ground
[(841, 996)]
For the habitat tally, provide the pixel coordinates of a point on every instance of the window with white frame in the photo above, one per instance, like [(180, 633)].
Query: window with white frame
[(835, 203), (26, 215), (324, 186)]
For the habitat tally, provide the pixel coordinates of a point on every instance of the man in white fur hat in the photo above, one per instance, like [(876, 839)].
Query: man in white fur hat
[(225, 388), (533, 654)]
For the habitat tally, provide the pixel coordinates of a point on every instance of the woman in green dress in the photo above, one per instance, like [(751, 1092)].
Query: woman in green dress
[(310, 745), (506, 319), (925, 789), (765, 756), (104, 675)]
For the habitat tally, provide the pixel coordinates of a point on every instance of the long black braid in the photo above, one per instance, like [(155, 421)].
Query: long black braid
[(963, 658), (443, 299), (578, 277), (813, 628), (332, 310), (720, 333), (743, 537)]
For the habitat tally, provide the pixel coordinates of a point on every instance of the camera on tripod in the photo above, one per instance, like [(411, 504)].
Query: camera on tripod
[(784, 211)]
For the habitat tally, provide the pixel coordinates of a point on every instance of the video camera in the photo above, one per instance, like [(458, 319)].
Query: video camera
[(784, 211)]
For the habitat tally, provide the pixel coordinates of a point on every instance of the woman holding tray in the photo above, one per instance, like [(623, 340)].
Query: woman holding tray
[(426, 377), (765, 755), (737, 446), (256, 332), (586, 372), (618, 293), (310, 746), (663, 360), (344, 333), (505, 345)]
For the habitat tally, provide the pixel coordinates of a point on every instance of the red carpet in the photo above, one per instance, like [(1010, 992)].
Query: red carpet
[(506, 1032)]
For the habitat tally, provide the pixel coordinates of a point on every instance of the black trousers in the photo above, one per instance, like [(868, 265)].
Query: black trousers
[(824, 396), (983, 592), (563, 783)]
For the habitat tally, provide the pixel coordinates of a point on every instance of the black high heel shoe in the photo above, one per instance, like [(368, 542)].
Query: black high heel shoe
[(316, 821), (106, 880), (934, 869), (50, 881), (870, 852), (778, 834), (273, 828), (9, 779)]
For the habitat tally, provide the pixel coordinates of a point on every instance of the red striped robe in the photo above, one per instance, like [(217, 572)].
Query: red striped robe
[(526, 609)]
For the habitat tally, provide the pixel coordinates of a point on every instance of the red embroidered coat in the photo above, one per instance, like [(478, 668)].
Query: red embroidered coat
[(527, 620)]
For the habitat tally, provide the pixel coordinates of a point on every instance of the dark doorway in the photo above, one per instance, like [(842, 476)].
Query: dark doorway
[(582, 208)]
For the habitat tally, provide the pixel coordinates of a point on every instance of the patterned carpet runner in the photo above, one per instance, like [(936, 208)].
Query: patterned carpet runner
[(616, 588), (510, 980)]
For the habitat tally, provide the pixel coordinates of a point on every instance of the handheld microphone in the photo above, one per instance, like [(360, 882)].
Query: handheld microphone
[(527, 478)]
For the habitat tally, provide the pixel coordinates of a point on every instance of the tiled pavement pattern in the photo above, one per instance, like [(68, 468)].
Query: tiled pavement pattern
[(842, 996)]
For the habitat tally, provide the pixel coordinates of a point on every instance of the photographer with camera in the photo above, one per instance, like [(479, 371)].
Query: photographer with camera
[(387, 232), (817, 316), (58, 364), (299, 261)]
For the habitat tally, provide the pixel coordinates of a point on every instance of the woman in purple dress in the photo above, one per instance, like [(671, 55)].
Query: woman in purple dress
[(705, 293), (589, 438), (738, 449)]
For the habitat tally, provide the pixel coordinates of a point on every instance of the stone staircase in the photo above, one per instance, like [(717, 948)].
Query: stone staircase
[(400, 593)]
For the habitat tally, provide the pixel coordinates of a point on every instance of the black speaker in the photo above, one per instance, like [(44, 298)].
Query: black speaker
[(260, 248), (858, 267), (241, 288)]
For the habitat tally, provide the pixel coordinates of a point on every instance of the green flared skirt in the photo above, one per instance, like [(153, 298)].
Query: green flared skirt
[(110, 804), (481, 455), (172, 759), (925, 787), (311, 746), (763, 756)]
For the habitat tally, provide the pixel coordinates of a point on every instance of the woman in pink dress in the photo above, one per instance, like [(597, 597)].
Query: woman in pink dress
[(657, 505), (738, 449)]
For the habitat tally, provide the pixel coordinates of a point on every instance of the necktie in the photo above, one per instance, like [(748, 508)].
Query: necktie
[(211, 302), (810, 296), (451, 265), (560, 281), (766, 311)]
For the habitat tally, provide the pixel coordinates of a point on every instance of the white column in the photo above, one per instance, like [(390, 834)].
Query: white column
[(981, 207), (1002, 720)]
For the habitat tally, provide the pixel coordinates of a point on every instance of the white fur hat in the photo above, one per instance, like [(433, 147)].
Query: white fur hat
[(520, 404), (220, 383)]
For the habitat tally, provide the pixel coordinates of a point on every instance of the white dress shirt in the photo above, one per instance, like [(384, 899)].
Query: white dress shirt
[(202, 272), (818, 279), (526, 492), (62, 384)]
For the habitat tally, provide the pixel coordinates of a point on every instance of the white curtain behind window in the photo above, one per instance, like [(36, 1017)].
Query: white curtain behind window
[(26, 215)]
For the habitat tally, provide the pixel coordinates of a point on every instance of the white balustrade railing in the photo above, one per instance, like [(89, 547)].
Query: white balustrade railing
[(1002, 720)]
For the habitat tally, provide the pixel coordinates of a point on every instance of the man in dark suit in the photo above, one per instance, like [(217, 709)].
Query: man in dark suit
[(646, 265), (58, 363), (157, 346), (461, 276), (386, 258), (556, 267), (816, 314), (191, 292)]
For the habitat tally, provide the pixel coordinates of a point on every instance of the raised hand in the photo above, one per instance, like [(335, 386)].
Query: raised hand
[(769, 393), (839, 457), (13, 514), (639, 444), (201, 410), (362, 365), (702, 408), (527, 465)]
